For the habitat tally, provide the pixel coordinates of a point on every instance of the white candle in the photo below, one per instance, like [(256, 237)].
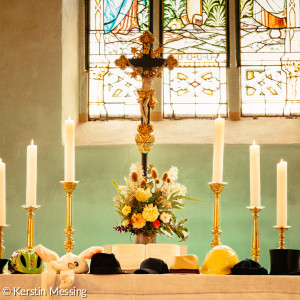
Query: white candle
[(31, 177), (2, 194), (218, 150), (254, 175), (282, 194), (69, 150)]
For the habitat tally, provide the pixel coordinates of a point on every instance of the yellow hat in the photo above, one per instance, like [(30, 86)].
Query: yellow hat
[(219, 261), (185, 264)]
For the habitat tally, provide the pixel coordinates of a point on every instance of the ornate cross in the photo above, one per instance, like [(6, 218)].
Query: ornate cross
[(148, 64)]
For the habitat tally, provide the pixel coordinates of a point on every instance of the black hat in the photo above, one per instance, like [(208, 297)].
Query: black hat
[(105, 263), (285, 262), (2, 264), (153, 266), (248, 267)]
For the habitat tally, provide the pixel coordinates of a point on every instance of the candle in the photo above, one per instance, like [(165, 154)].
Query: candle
[(69, 150), (254, 175), (31, 174), (2, 194), (218, 150), (282, 194)]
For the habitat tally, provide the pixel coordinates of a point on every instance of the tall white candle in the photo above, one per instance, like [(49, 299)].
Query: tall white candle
[(2, 194), (282, 194), (31, 177), (69, 150), (218, 150), (254, 175)]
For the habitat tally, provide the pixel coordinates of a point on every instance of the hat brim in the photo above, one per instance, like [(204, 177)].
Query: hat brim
[(145, 271), (249, 271), (106, 271)]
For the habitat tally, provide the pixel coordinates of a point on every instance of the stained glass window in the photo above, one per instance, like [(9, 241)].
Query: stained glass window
[(115, 26), (194, 32), (270, 57)]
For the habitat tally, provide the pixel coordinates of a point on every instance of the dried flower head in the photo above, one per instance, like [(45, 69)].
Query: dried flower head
[(168, 180), (144, 184), (157, 181), (134, 177), (165, 176), (154, 173)]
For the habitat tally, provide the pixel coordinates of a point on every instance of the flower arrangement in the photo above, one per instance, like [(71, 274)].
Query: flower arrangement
[(147, 205)]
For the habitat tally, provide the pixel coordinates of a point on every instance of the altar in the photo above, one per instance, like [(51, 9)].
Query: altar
[(165, 286)]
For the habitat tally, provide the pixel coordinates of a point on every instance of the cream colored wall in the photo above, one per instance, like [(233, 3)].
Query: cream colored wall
[(70, 59)]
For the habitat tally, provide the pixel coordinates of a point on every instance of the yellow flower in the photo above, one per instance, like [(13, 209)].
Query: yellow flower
[(150, 213), (138, 221), (126, 210), (142, 195), (127, 222)]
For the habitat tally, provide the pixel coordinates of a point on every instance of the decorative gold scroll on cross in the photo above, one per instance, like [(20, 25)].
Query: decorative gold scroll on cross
[(148, 64)]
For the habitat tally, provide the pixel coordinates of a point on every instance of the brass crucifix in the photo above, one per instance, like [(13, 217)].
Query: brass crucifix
[(148, 64)]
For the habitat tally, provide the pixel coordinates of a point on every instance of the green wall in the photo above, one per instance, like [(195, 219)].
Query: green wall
[(94, 216)]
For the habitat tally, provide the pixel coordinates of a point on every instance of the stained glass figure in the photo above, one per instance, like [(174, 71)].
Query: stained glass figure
[(270, 57), (194, 32), (115, 26)]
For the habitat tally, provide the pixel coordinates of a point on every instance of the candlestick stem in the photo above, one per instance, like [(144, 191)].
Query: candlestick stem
[(255, 233), (2, 248), (281, 235), (30, 209), (217, 188), (69, 187)]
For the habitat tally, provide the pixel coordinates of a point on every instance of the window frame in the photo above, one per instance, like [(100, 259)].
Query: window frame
[(233, 54)]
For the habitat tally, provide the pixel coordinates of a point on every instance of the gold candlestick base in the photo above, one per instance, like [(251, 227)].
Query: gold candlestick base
[(69, 187), (217, 188), (282, 229), (30, 209), (255, 234), (2, 248)]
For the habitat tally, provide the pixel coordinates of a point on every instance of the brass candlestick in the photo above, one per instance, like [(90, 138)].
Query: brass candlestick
[(2, 248), (255, 235), (281, 235), (69, 187), (30, 209), (217, 188)]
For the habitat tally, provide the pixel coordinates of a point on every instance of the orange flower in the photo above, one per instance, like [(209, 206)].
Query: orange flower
[(134, 177), (154, 173), (165, 176)]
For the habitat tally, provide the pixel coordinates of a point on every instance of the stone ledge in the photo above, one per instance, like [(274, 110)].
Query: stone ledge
[(191, 131)]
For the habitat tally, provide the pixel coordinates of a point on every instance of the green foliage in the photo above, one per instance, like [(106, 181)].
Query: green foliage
[(216, 17), (208, 5), (173, 9), (246, 7), (143, 18)]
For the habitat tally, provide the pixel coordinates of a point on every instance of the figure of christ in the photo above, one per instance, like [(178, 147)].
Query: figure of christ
[(145, 91)]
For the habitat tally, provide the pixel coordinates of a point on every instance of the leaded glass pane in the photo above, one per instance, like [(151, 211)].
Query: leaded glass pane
[(115, 26), (270, 57), (194, 32)]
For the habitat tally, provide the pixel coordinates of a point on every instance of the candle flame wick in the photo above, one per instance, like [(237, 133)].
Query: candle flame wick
[(281, 160), (254, 142), (69, 117), (32, 142)]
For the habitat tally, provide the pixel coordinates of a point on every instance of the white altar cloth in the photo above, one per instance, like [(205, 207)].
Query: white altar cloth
[(167, 287)]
